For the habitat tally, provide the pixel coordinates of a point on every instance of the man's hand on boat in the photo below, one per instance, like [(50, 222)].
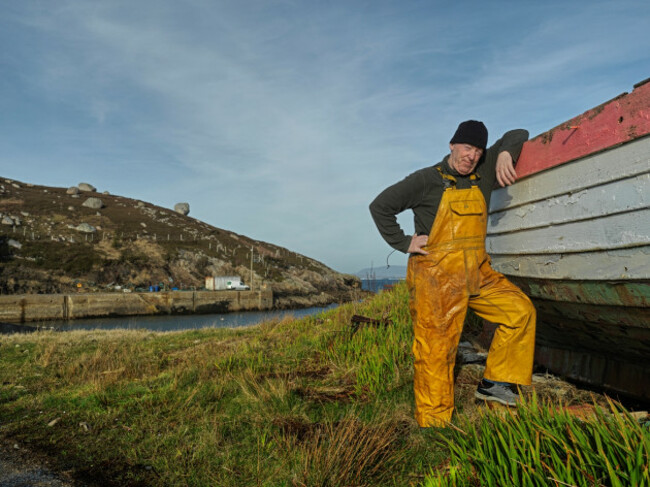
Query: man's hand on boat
[(506, 174)]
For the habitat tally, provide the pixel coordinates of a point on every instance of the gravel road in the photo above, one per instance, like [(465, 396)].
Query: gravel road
[(17, 469)]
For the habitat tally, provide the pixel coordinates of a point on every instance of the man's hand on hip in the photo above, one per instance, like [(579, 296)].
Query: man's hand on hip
[(417, 242), (506, 174)]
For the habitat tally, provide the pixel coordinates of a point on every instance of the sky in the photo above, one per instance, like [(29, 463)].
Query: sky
[(283, 119)]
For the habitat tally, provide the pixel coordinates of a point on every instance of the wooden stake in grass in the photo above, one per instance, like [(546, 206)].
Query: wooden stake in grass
[(358, 320)]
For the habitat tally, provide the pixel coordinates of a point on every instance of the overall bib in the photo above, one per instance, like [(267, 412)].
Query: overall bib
[(456, 274)]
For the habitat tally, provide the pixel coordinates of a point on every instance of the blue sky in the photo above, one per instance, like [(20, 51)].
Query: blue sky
[(282, 120)]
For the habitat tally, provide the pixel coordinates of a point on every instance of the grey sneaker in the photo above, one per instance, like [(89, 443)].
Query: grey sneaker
[(488, 391)]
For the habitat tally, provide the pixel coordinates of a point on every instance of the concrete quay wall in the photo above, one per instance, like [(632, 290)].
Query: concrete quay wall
[(40, 307)]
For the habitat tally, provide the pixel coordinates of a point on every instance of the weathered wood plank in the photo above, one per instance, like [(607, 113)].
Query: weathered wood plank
[(622, 162), (610, 232), (614, 340), (624, 264), (622, 119), (598, 201), (612, 320), (612, 293), (619, 374)]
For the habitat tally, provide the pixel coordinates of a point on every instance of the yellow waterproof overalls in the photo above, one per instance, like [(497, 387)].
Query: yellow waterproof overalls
[(454, 275)]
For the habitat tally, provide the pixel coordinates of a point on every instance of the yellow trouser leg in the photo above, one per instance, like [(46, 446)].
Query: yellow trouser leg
[(435, 357), (511, 354), (437, 334)]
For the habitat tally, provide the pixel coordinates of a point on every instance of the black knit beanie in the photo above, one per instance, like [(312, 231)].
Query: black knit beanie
[(471, 132)]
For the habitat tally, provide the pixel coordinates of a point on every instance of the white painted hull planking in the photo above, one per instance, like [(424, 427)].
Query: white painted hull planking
[(594, 210)]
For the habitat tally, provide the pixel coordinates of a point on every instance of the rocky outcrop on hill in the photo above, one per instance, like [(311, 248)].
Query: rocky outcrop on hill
[(86, 187), (182, 208), (52, 242), (94, 203), (85, 228)]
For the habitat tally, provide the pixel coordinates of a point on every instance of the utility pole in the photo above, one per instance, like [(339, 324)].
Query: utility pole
[(252, 249)]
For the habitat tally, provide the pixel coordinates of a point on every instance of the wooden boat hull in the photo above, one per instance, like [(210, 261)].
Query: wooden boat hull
[(574, 234)]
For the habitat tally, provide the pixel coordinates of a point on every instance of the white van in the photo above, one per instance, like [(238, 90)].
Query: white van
[(237, 286), (219, 283)]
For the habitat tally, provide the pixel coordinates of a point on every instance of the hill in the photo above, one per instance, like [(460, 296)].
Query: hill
[(55, 240)]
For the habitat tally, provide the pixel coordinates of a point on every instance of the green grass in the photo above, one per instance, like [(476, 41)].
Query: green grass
[(539, 445), (286, 403)]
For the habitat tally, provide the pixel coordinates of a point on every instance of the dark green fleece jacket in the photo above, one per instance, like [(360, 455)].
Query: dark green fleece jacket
[(422, 191)]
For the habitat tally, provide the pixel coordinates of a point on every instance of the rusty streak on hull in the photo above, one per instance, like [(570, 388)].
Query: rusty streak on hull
[(617, 327)]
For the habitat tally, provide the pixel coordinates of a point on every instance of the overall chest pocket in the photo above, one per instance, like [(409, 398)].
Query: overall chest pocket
[(468, 219)]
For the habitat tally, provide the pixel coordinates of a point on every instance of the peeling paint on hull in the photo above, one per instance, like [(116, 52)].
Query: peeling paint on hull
[(615, 122), (634, 294)]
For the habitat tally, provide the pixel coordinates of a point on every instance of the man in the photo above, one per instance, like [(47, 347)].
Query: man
[(449, 270)]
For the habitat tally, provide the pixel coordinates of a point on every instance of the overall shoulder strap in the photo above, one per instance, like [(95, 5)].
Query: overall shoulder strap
[(447, 179)]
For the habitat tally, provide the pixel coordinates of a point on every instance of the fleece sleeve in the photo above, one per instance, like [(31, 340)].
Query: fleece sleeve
[(512, 142), (391, 202)]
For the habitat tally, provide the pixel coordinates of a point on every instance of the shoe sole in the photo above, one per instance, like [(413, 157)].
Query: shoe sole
[(485, 397)]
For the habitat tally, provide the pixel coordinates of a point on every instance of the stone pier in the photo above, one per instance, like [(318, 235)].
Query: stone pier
[(25, 308)]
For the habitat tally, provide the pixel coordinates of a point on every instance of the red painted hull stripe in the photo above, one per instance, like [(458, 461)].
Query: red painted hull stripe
[(623, 119)]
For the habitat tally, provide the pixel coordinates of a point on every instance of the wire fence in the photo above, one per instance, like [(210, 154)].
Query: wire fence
[(254, 256)]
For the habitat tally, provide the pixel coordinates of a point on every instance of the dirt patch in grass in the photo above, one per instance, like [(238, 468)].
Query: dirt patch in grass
[(327, 393), (309, 373)]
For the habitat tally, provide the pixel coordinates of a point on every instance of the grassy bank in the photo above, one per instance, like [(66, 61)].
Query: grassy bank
[(292, 403)]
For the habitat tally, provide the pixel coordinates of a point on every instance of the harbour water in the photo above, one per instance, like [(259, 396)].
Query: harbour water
[(180, 322), (376, 285)]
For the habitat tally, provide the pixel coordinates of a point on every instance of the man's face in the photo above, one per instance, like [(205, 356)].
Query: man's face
[(464, 158)]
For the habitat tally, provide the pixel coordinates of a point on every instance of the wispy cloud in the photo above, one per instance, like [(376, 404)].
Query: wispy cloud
[(282, 120)]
